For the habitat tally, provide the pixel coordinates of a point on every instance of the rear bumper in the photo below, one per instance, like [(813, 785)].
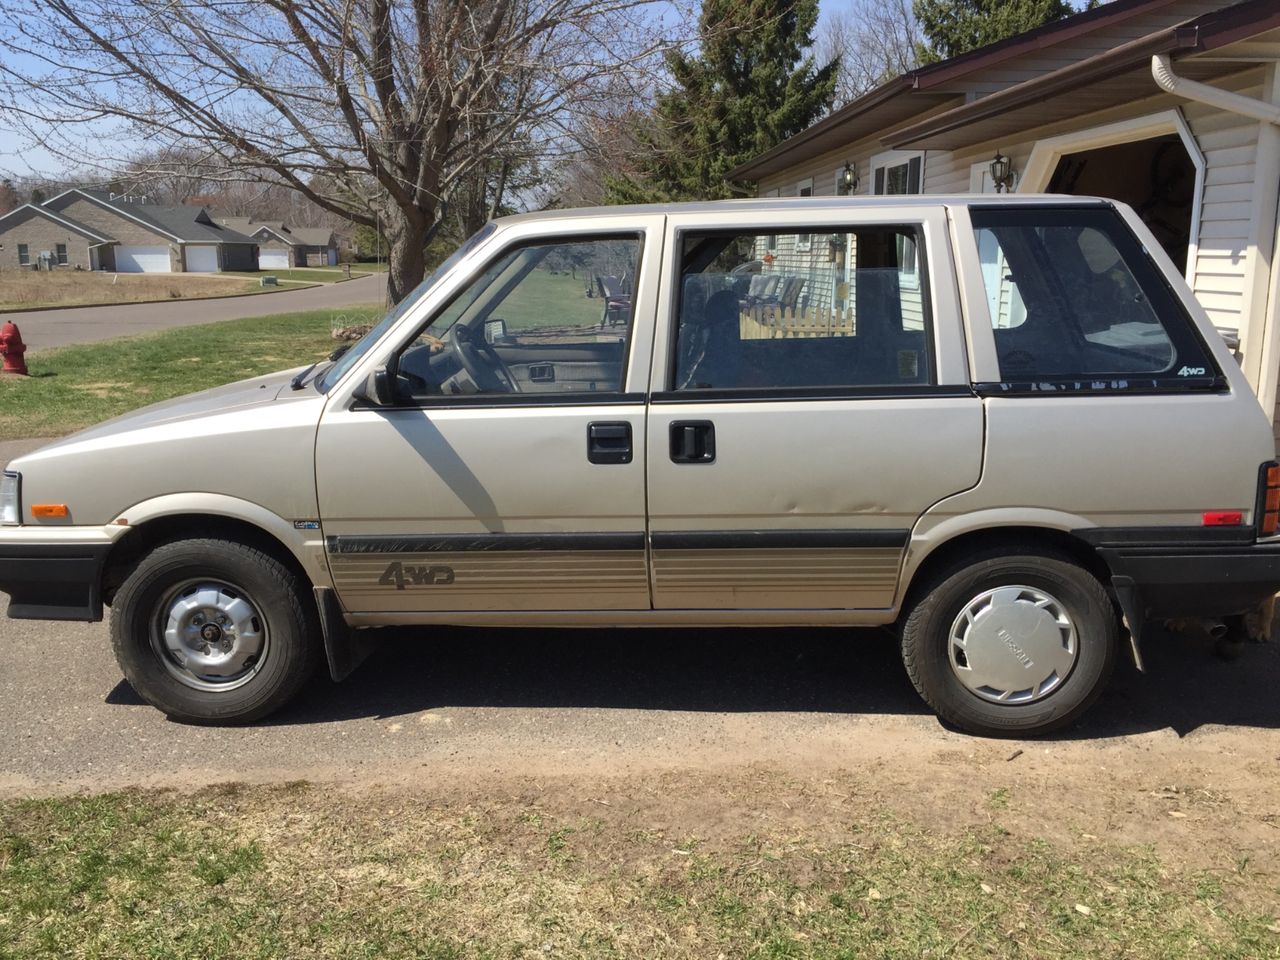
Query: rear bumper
[(53, 581), (1196, 581)]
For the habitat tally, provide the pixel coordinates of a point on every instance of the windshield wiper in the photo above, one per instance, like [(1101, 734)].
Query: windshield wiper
[(297, 382)]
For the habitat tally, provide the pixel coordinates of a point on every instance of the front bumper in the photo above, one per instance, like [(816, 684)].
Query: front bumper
[(52, 579)]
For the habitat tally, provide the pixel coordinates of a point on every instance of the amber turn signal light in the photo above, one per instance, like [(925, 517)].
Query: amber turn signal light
[(49, 510)]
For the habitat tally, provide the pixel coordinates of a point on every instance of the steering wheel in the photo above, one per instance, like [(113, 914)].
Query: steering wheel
[(481, 361)]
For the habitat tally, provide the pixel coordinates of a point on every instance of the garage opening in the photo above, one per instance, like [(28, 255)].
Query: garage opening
[(1155, 176)]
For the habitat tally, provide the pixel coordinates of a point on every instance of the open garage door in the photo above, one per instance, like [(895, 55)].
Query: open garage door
[(273, 259), (142, 259), (202, 259)]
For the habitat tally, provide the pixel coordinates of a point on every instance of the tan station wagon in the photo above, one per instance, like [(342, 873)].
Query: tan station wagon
[(1003, 427)]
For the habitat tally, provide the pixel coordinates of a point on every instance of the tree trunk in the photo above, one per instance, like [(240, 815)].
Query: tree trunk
[(405, 262)]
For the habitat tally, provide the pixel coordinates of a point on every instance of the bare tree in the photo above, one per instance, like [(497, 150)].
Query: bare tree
[(875, 40), (377, 111)]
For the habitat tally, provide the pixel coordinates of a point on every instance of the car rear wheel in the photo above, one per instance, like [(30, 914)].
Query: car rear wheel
[(1011, 643), (213, 631)]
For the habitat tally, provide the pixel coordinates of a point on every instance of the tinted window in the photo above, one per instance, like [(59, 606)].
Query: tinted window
[(1072, 295), (762, 311), (551, 317)]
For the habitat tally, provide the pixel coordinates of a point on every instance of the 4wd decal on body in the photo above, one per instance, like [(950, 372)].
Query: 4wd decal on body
[(401, 575)]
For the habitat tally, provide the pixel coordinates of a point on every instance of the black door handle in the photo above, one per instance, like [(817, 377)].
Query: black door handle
[(609, 442), (693, 441)]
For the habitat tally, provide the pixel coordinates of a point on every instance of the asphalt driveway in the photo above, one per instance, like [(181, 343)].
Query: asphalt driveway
[(438, 703), (42, 329)]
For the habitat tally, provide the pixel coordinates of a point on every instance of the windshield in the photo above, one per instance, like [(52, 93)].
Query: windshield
[(362, 346)]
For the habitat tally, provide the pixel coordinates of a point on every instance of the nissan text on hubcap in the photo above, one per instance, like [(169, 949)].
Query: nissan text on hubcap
[(210, 636), (1013, 644)]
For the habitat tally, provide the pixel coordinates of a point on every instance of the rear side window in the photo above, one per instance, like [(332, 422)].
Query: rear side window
[(1077, 304), (823, 308)]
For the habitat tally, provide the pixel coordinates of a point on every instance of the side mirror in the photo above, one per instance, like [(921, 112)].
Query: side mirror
[(495, 331), (378, 389)]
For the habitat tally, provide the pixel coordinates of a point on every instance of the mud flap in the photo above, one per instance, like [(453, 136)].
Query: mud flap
[(1131, 606), (344, 647)]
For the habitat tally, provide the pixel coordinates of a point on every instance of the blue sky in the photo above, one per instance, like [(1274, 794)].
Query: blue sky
[(18, 158)]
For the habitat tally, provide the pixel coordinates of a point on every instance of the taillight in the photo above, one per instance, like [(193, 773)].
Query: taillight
[(1269, 499)]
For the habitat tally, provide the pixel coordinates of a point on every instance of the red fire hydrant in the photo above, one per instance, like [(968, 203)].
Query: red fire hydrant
[(12, 349)]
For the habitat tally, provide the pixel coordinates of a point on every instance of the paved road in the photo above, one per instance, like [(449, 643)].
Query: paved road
[(42, 329), (437, 704)]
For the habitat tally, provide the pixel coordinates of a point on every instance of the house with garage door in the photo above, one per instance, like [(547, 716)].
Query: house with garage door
[(281, 246), (97, 230), (1171, 106)]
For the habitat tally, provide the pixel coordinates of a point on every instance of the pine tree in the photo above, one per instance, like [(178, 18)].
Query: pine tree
[(953, 27), (750, 86)]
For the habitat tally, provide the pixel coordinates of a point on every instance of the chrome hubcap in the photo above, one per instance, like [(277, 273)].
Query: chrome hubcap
[(1013, 644), (210, 636)]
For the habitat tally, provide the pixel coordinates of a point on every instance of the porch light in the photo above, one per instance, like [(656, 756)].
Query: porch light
[(1002, 173), (849, 179)]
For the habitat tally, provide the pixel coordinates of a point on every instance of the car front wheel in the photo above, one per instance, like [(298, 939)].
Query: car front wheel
[(1011, 644), (214, 631)]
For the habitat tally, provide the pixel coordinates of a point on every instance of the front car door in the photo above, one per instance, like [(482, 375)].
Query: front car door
[(796, 437), (509, 473)]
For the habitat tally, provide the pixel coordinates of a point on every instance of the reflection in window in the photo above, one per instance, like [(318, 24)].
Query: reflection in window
[(837, 314)]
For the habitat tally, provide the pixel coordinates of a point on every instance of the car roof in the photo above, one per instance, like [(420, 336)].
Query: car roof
[(791, 204)]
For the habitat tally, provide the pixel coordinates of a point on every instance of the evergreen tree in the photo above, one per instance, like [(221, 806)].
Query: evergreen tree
[(750, 86), (953, 27)]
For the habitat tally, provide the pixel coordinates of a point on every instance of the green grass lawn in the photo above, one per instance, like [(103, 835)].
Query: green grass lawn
[(301, 871), (302, 275), (545, 299), (74, 387)]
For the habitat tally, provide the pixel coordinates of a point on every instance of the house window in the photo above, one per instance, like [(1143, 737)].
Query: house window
[(24, 255), (898, 172), (804, 240), (61, 250), (771, 240)]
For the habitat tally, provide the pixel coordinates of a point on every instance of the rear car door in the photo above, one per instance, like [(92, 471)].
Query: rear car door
[(796, 436), (509, 474)]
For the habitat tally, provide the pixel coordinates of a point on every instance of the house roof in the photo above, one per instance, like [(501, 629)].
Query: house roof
[(1116, 76), (313, 236), (30, 209), (925, 89), (182, 224)]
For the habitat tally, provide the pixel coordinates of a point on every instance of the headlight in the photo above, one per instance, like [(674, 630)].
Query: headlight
[(11, 498)]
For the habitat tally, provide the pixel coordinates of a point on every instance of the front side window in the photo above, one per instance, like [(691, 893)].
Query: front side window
[(550, 317), (1074, 297), (24, 255), (837, 315)]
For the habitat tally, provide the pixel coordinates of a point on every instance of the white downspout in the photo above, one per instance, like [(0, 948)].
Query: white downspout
[(1170, 82), (1260, 323)]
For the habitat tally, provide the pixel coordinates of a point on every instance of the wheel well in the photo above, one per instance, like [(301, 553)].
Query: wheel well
[(1043, 538), (143, 538)]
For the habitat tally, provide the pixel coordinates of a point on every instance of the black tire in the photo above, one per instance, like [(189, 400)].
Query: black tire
[(926, 630), (280, 601)]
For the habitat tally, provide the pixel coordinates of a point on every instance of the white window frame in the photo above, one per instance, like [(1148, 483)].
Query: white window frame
[(896, 158), (1046, 153), (24, 255), (804, 241), (60, 254)]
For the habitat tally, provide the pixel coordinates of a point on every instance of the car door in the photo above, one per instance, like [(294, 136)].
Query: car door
[(796, 437), (508, 475)]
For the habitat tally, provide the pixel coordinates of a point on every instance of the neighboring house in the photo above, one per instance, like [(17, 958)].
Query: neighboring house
[(94, 230), (281, 246), (1172, 106), (34, 237)]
